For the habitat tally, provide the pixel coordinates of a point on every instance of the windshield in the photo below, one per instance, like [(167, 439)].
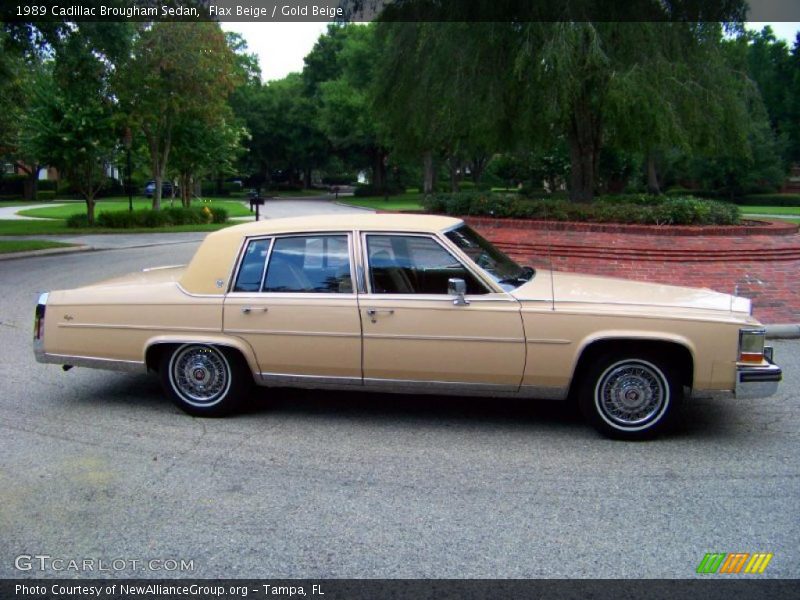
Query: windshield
[(502, 269)]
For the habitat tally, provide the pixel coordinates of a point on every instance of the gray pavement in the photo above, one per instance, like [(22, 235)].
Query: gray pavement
[(99, 465), (9, 213)]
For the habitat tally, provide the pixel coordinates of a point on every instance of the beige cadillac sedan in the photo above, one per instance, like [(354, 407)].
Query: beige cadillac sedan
[(412, 304)]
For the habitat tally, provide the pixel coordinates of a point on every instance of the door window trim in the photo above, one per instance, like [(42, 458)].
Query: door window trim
[(432, 236), (274, 238)]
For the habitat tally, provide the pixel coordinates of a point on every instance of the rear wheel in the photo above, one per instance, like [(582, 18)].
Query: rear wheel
[(631, 397), (204, 380)]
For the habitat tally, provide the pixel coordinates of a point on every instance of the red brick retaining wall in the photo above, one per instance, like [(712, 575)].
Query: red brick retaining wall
[(761, 264)]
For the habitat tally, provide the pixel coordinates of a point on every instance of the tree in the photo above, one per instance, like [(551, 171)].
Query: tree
[(202, 151), (70, 122), (439, 89), (774, 66), (345, 114), (176, 70)]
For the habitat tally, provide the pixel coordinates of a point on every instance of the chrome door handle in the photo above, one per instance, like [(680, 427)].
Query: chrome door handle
[(373, 312), (248, 309)]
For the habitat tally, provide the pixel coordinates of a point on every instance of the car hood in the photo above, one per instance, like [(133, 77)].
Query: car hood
[(574, 288)]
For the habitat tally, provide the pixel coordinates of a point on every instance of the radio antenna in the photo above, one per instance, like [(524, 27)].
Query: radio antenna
[(550, 259)]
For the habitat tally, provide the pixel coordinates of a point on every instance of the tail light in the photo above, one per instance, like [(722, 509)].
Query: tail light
[(751, 345), (38, 321)]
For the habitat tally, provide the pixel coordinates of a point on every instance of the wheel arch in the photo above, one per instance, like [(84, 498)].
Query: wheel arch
[(676, 349), (155, 348)]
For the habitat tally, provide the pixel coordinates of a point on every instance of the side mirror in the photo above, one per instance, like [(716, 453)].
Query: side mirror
[(457, 287)]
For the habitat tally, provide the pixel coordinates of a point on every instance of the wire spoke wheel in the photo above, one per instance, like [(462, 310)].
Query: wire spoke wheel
[(631, 393), (631, 397), (200, 375)]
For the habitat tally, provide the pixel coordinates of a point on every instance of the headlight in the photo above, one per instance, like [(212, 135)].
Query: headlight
[(751, 345)]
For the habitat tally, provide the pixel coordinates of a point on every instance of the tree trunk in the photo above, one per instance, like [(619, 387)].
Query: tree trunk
[(186, 189), (453, 164), (584, 145), (159, 157), (478, 166), (307, 178), (30, 186), (429, 177), (157, 177), (90, 202), (378, 170), (652, 175)]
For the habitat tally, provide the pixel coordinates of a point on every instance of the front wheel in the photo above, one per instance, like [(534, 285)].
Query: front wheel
[(203, 380), (630, 397)]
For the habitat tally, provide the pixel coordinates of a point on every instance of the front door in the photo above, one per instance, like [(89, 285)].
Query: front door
[(416, 337)]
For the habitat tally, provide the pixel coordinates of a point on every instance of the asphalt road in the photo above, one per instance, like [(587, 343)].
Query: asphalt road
[(98, 465)]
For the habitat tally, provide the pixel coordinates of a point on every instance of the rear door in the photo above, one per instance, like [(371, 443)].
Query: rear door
[(293, 300)]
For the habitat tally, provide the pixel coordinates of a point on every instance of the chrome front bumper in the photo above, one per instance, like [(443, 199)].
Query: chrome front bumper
[(757, 381)]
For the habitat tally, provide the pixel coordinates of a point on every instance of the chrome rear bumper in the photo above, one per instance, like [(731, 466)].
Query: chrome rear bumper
[(757, 381)]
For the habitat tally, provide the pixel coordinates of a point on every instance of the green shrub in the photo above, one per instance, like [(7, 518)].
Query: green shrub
[(148, 218), (769, 200), (637, 208), (47, 185), (338, 179), (45, 195), (12, 184), (363, 190), (78, 220), (118, 219), (678, 191), (218, 215)]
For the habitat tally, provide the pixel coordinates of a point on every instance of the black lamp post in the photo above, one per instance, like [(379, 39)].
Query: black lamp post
[(127, 140)]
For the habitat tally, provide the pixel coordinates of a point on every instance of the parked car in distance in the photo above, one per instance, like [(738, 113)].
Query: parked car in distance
[(168, 189), (407, 303)]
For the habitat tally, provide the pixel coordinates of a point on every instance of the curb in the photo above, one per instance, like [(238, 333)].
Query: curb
[(786, 331), (44, 252)]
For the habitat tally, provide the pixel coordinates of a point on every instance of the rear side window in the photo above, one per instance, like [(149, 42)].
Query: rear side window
[(310, 264), (252, 270)]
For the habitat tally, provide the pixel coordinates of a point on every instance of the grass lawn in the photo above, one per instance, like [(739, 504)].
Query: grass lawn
[(770, 210), (59, 227), (410, 201), (235, 208), (8, 246)]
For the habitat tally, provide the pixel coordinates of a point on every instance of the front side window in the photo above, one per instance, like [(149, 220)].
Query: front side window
[(400, 264), (499, 266), (309, 264)]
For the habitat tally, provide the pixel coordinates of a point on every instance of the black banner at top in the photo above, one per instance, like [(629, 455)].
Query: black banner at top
[(400, 10)]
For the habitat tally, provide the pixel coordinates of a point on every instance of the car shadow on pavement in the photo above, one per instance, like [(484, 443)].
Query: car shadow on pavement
[(410, 408), (699, 419), (144, 392)]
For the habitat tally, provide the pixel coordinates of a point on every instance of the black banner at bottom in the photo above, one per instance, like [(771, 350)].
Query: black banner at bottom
[(397, 589)]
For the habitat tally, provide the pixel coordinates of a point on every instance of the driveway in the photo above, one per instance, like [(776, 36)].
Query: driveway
[(99, 465)]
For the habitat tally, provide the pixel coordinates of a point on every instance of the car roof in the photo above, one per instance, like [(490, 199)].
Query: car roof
[(346, 222), (209, 270)]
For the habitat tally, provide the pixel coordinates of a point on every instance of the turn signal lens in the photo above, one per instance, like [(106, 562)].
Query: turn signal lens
[(751, 345)]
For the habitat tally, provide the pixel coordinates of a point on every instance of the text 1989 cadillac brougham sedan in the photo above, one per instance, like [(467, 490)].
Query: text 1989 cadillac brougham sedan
[(407, 303)]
